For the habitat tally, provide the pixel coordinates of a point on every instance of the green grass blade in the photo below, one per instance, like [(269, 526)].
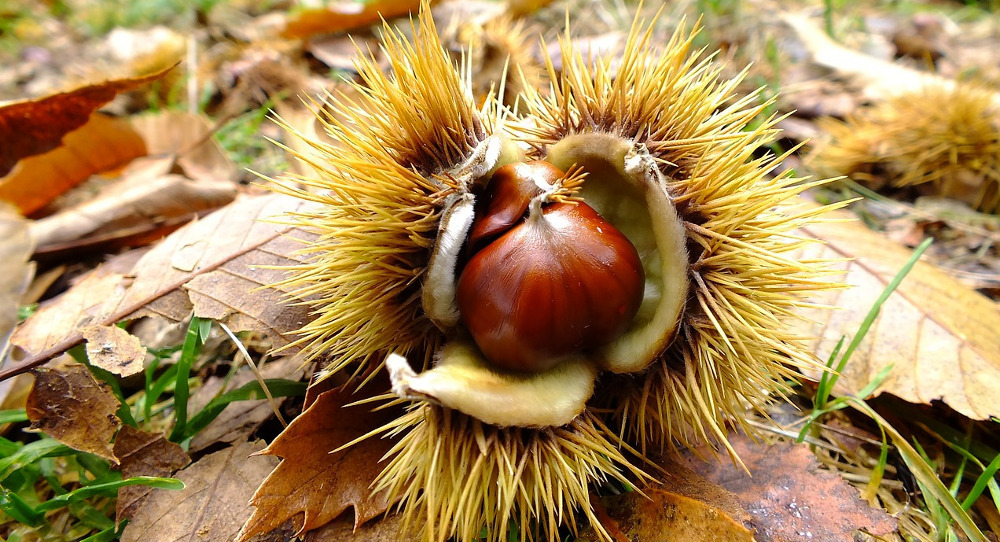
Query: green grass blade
[(109, 488), (181, 390), (249, 391), (981, 483), (873, 313), (16, 415), (29, 453), (14, 506)]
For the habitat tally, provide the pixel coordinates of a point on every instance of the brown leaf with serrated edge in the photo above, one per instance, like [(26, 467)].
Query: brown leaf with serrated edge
[(219, 266), (941, 338), (314, 485), (212, 506), (15, 250), (69, 405), (143, 454), (788, 495), (345, 16), (36, 126), (113, 349), (102, 144)]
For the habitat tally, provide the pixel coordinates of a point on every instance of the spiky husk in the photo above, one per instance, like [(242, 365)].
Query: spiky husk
[(731, 350), (380, 199), (456, 475), (378, 221), (947, 137)]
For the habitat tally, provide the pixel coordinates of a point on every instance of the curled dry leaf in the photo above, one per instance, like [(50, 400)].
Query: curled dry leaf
[(36, 126), (113, 349), (102, 144), (212, 506), (143, 454), (313, 485), (15, 251), (69, 405), (219, 267), (941, 338), (789, 497)]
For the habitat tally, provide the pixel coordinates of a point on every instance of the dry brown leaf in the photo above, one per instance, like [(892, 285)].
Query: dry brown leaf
[(102, 144), (36, 126), (345, 16), (214, 504), (69, 405), (113, 349), (388, 529), (314, 486), (210, 267), (77, 307), (880, 78), (789, 497), (664, 515), (942, 339), (139, 200), (143, 454), (15, 251), (189, 138)]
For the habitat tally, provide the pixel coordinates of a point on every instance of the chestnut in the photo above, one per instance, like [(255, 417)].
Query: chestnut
[(550, 279)]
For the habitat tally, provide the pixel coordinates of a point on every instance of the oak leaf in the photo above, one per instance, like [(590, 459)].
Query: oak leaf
[(313, 485), (143, 454), (69, 405), (787, 495), (941, 338), (213, 504)]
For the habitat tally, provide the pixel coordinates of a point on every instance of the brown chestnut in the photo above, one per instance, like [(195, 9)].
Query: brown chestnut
[(560, 280)]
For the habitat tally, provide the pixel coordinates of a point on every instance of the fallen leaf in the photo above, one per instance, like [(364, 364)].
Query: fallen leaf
[(941, 338), (113, 349), (880, 78), (102, 144), (15, 250), (36, 126), (188, 137), (663, 515), (788, 496), (69, 405), (214, 504), (314, 485), (342, 529), (345, 16), (56, 318), (135, 200), (143, 454), (219, 267)]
